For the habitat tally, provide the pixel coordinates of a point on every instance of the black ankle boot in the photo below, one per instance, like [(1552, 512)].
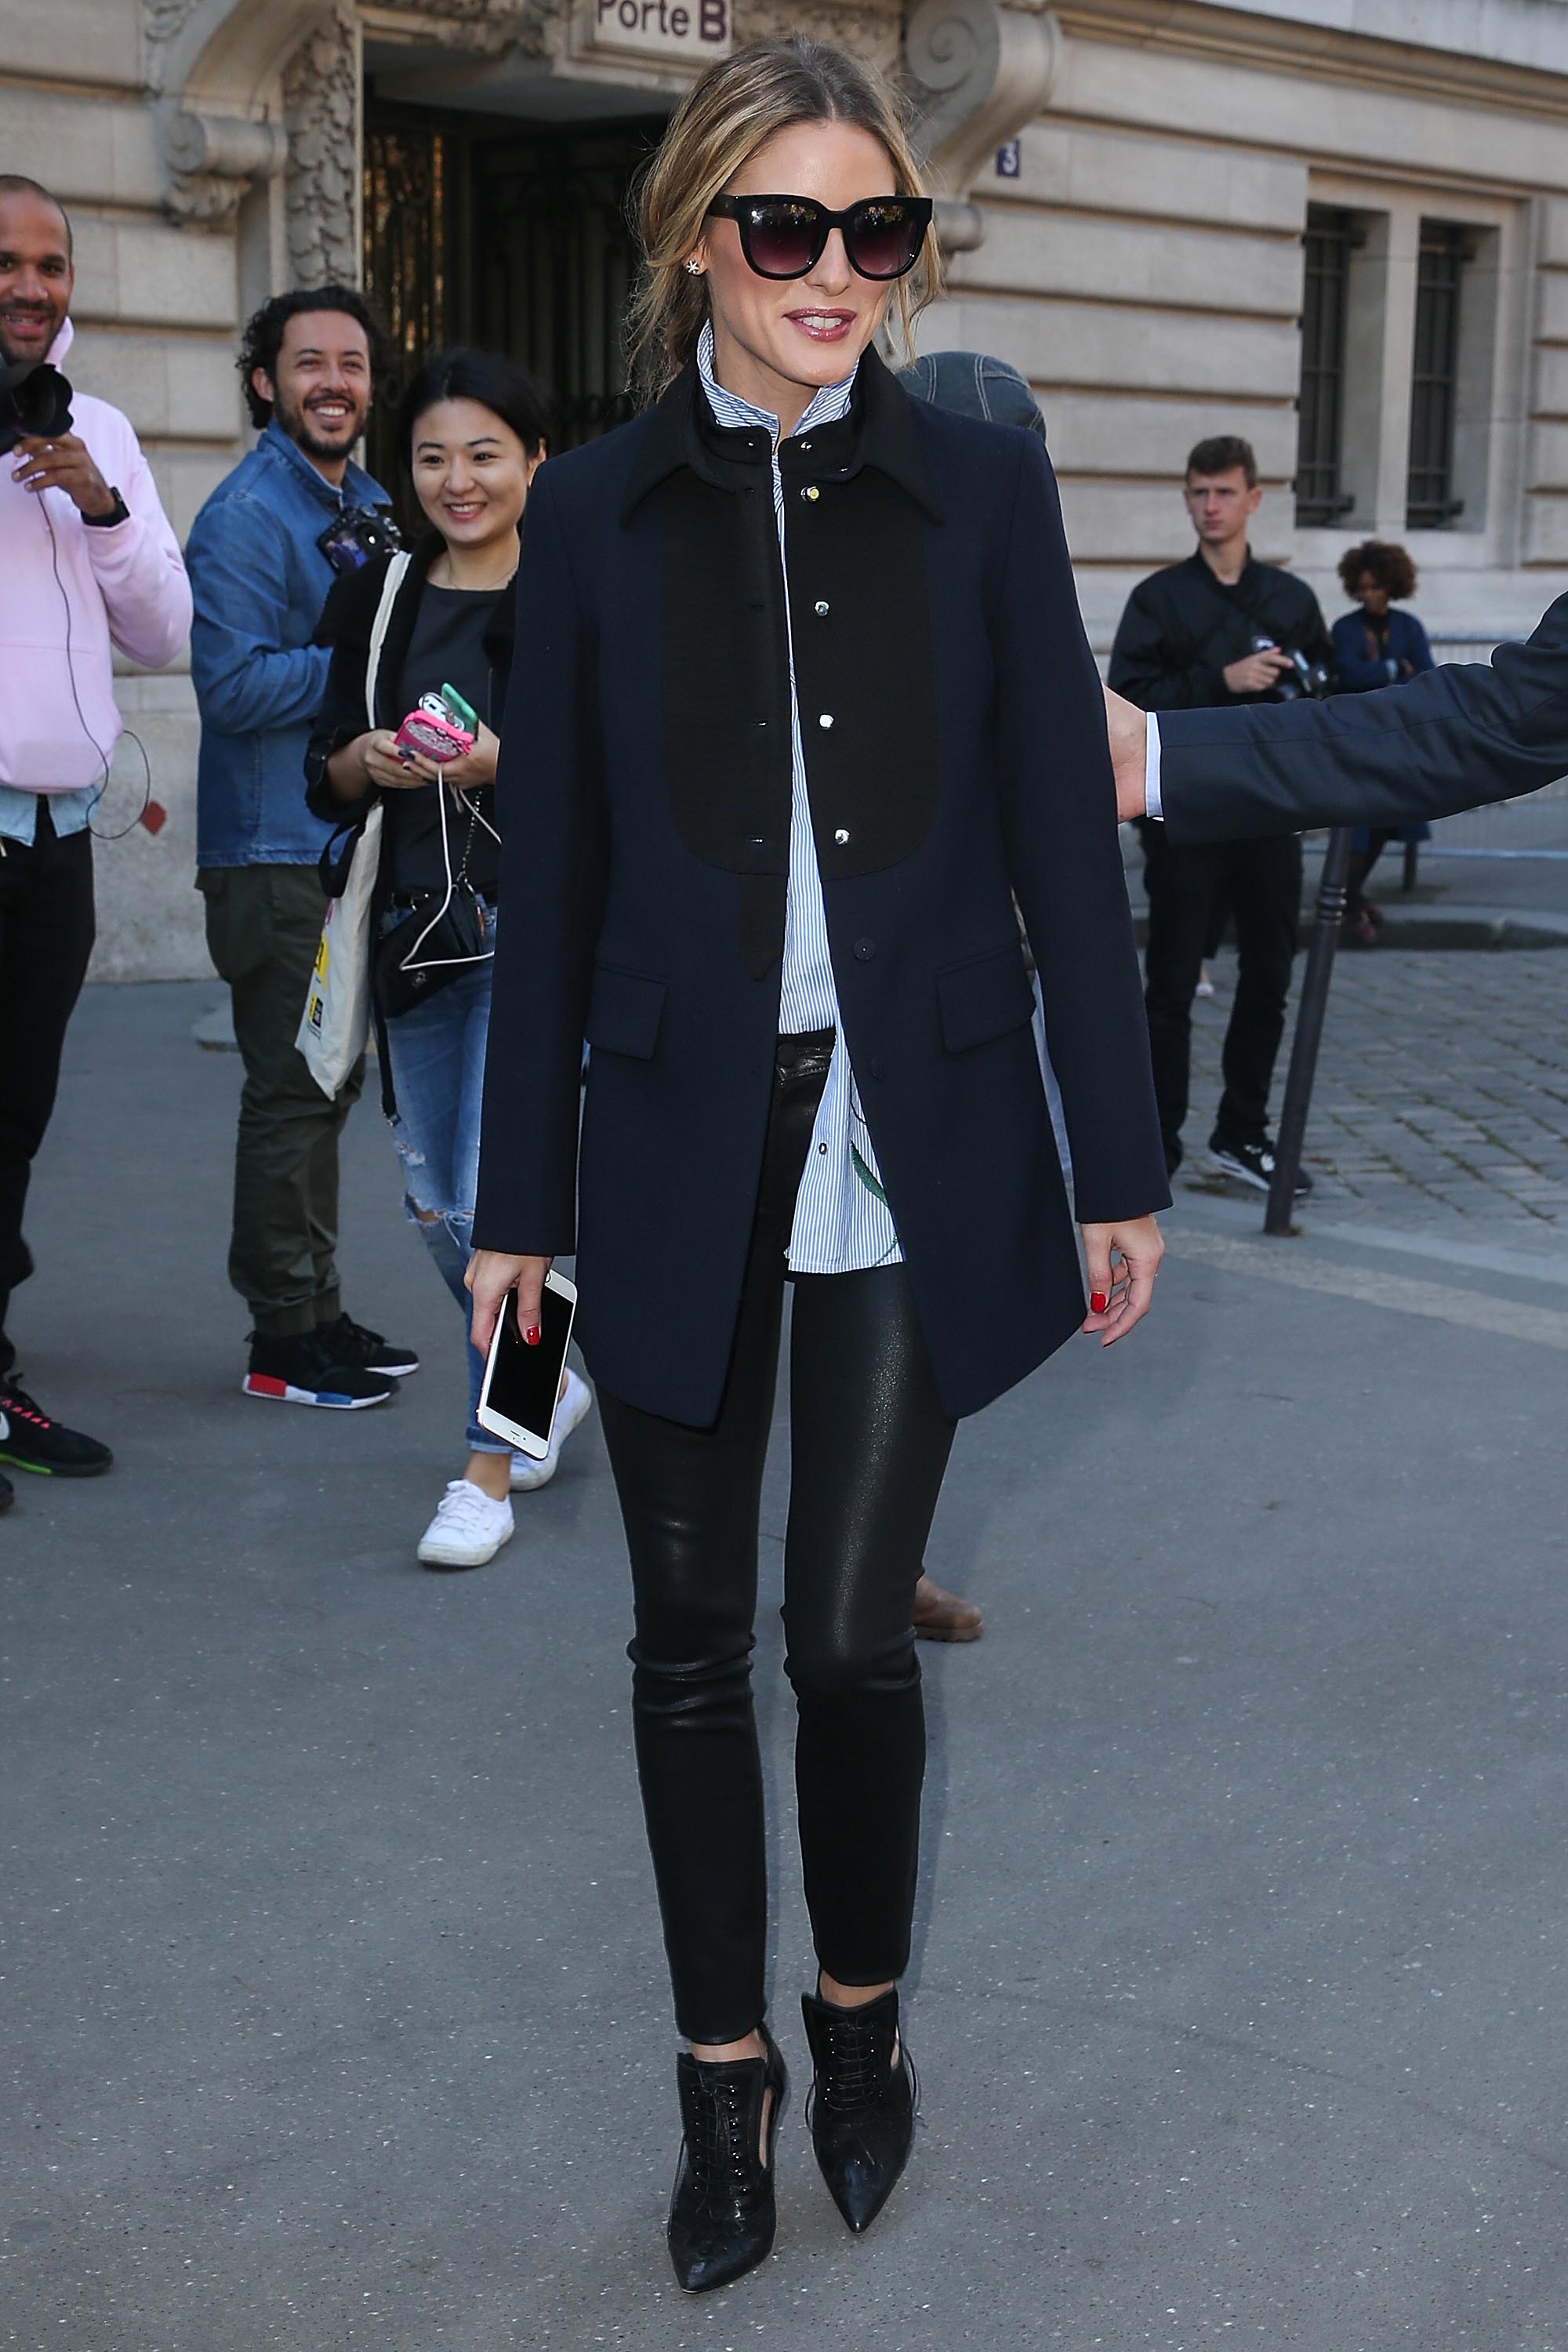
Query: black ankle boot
[(721, 2214), (862, 2104)]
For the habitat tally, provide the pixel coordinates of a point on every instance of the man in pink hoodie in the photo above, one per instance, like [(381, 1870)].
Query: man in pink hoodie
[(88, 562)]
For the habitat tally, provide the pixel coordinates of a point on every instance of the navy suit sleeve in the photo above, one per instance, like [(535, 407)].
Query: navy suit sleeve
[(1065, 862), (549, 800), (1454, 737)]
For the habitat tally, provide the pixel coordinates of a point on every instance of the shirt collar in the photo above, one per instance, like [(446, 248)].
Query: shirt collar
[(878, 425), (826, 406), (357, 488)]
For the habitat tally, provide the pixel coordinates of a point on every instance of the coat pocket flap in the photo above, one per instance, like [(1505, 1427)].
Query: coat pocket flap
[(984, 998), (624, 1011)]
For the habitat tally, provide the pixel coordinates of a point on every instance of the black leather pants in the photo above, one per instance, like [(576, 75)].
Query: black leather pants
[(869, 1447)]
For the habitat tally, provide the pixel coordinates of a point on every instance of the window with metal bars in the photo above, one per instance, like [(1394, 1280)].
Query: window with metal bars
[(1329, 238), (1430, 502)]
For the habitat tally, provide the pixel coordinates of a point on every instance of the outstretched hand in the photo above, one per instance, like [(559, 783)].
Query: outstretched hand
[(1120, 1262), (1127, 729)]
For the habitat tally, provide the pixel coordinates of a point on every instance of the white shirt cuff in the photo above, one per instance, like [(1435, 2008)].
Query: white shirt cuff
[(1151, 803)]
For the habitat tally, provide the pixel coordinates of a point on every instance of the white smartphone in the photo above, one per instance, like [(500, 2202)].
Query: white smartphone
[(521, 1383)]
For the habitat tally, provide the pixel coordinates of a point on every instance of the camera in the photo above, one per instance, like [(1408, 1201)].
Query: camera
[(357, 534), (1304, 677), (35, 398)]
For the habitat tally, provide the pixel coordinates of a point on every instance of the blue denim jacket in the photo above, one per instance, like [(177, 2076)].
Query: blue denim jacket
[(259, 581)]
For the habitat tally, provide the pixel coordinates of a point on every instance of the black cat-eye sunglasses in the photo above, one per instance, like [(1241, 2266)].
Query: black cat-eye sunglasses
[(786, 237)]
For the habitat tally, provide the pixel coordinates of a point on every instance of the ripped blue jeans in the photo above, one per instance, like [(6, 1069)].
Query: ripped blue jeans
[(438, 1054)]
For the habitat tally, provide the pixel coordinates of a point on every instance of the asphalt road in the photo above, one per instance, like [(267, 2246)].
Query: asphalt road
[(334, 2005)]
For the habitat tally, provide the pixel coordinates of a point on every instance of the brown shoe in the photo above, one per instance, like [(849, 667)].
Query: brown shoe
[(943, 1617)]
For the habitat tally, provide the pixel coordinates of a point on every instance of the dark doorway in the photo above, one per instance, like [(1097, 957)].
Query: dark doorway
[(511, 235)]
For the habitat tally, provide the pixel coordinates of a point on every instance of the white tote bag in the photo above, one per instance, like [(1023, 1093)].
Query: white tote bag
[(336, 1023)]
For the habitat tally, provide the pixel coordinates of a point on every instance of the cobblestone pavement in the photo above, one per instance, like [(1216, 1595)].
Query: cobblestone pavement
[(1442, 1089)]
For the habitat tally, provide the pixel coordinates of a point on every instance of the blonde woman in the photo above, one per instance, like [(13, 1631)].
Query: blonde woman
[(809, 702)]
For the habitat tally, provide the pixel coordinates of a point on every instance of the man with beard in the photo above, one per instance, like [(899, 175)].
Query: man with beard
[(263, 553), (88, 562)]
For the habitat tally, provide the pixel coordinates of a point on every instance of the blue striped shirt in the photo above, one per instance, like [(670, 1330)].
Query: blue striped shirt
[(842, 1221)]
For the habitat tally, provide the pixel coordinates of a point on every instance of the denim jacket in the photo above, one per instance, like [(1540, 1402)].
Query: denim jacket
[(259, 581)]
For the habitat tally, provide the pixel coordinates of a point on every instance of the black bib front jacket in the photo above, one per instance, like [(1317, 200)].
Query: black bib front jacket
[(644, 795)]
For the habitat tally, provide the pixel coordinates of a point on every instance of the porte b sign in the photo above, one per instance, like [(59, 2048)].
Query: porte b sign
[(694, 31)]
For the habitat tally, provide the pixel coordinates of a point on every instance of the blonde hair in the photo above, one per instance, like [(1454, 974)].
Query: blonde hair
[(723, 119)]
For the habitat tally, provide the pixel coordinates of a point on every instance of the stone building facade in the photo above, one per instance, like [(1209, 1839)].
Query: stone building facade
[(1340, 227)]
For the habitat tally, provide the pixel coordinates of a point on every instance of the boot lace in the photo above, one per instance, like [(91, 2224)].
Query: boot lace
[(852, 2077)]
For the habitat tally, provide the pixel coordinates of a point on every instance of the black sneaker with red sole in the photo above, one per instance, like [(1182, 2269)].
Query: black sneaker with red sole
[(307, 1368), (354, 1343), (30, 1441)]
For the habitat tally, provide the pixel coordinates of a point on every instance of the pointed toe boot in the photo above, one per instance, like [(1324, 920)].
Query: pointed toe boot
[(721, 2215), (862, 2104)]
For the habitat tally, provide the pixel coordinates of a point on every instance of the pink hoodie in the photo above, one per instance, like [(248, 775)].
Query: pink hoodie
[(86, 590)]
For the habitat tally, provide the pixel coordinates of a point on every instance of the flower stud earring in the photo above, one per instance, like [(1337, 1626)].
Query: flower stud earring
[(693, 267)]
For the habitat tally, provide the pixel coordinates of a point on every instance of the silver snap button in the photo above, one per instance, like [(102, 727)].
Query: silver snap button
[(820, 608), (825, 719), (811, 492), (841, 836)]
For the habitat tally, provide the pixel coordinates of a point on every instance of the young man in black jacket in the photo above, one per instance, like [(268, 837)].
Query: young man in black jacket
[(1219, 629)]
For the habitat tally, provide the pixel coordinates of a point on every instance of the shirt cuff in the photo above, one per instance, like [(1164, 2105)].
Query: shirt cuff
[(1153, 806)]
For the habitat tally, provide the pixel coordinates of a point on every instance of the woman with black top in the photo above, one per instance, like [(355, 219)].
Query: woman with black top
[(808, 702), (471, 431)]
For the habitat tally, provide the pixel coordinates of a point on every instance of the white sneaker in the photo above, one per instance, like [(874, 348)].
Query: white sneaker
[(469, 1527), (526, 1473)]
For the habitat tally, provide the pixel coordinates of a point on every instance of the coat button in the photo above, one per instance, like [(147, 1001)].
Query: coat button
[(863, 951), (825, 719), (820, 609), (877, 1068), (841, 838), (811, 492)]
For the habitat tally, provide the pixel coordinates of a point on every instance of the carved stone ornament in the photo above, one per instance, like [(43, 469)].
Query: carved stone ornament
[(489, 28), (978, 73), (164, 18), (867, 31), (216, 137), (321, 110)]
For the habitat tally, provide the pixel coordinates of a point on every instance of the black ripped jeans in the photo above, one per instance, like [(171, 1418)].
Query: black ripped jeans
[(869, 1447)]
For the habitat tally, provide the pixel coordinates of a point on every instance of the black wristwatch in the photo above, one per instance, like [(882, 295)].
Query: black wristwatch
[(118, 512)]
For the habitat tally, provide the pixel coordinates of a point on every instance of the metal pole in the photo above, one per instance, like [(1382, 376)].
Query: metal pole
[(1320, 969)]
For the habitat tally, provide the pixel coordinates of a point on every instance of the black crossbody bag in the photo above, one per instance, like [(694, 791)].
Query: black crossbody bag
[(445, 935)]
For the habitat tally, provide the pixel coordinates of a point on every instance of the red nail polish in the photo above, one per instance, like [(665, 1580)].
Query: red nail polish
[(1099, 1301), (533, 1335)]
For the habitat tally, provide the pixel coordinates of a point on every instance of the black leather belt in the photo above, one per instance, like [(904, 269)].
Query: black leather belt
[(804, 1056)]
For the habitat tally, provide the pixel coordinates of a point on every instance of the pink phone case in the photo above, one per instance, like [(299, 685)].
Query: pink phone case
[(433, 739)]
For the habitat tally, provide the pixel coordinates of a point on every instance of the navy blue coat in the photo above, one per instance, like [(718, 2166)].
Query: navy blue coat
[(1357, 664), (643, 796)]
